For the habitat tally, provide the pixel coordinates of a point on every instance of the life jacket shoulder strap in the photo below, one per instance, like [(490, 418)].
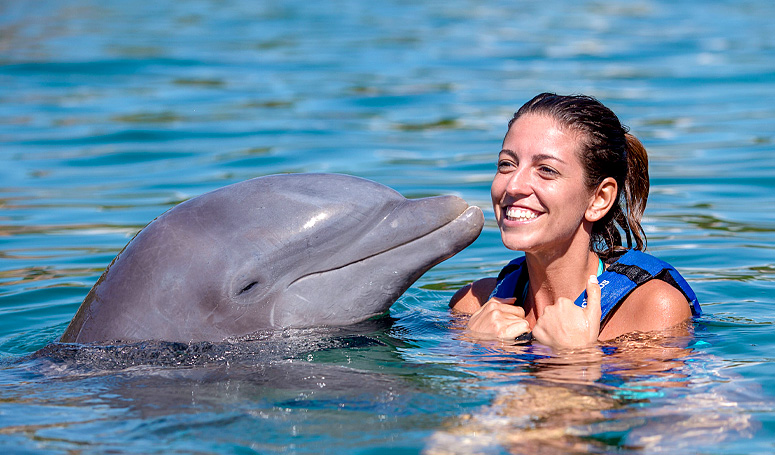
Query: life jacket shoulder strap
[(634, 269), (511, 278)]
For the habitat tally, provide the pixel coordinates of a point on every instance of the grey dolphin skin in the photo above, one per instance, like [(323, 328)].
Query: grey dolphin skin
[(293, 250)]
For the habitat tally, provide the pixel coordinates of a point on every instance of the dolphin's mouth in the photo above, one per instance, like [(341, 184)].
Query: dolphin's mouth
[(470, 223)]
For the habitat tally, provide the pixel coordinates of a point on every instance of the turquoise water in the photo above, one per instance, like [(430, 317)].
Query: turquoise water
[(112, 112)]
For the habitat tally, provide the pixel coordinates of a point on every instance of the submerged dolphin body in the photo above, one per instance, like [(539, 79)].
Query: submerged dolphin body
[(296, 250)]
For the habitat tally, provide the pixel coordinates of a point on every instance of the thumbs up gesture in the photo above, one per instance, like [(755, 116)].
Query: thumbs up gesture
[(566, 325)]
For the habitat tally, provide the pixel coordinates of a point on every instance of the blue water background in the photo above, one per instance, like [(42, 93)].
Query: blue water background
[(112, 112)]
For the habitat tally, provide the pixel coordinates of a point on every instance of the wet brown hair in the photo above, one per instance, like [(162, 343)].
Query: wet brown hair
[(608, 150)]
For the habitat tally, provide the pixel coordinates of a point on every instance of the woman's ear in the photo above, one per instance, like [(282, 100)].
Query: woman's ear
[(603, 199)]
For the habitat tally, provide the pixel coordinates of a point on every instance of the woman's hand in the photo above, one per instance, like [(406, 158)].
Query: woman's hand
[(499, 318), (566, 325)]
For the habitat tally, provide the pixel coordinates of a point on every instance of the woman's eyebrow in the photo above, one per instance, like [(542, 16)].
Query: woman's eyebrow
[(544, 156), (539, 157)]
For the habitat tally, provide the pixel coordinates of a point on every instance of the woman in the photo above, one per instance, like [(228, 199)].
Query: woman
[(570, 180)]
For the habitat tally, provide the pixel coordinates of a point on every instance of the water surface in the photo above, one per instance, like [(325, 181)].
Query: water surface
[(111, 113)]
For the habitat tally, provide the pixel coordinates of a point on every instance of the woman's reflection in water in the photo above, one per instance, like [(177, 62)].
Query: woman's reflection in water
[(641, 391)]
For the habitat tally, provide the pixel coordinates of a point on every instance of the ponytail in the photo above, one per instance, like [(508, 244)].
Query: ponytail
[(636, 191), (626, 213)]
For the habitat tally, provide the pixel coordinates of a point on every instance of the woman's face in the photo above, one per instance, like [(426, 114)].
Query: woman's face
[(538, 193)]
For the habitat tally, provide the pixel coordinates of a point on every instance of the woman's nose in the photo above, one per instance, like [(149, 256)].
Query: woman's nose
[(519, 182)]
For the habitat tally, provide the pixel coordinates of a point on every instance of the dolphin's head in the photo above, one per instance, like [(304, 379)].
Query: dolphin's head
[(297, 250)]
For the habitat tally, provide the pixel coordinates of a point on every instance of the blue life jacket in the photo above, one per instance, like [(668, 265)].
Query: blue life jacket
[(632, 269)]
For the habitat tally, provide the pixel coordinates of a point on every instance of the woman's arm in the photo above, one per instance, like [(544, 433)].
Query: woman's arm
[(471, 297)]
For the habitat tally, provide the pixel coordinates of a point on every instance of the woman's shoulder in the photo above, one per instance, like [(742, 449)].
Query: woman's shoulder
[(472, 296), (655, 305)]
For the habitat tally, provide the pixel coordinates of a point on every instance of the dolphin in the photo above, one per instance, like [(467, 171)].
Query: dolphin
[(279, 251)]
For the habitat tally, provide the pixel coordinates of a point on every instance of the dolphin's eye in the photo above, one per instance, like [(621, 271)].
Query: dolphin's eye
[(248, 287)]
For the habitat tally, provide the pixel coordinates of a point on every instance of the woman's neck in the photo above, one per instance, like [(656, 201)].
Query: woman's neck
[(553, 277)]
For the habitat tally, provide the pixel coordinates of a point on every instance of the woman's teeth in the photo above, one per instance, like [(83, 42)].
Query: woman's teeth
[(517, 214)]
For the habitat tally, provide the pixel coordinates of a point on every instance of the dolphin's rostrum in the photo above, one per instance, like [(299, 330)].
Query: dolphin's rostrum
[(294, 250)]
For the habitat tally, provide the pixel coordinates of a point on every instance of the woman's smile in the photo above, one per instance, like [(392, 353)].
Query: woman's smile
[(520, 214)]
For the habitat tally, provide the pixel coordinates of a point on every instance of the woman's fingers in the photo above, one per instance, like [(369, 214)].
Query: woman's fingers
[(499, 318), (502, 326), (516, 328), (510, 328), (507, 306), (593, 299)]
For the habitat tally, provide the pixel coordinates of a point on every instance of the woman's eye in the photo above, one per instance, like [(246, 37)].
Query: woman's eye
[(504, 165), (546, 170)]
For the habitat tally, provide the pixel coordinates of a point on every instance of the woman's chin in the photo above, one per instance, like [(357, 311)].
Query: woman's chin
[(516, 245)]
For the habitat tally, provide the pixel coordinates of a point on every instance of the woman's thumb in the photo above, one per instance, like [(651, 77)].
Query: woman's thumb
[(593, 297)]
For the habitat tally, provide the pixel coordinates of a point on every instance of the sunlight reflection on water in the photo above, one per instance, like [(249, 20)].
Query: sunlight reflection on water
[(111, 114)]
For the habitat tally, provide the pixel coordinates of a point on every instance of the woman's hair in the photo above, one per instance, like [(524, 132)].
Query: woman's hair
[(608, 150)]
